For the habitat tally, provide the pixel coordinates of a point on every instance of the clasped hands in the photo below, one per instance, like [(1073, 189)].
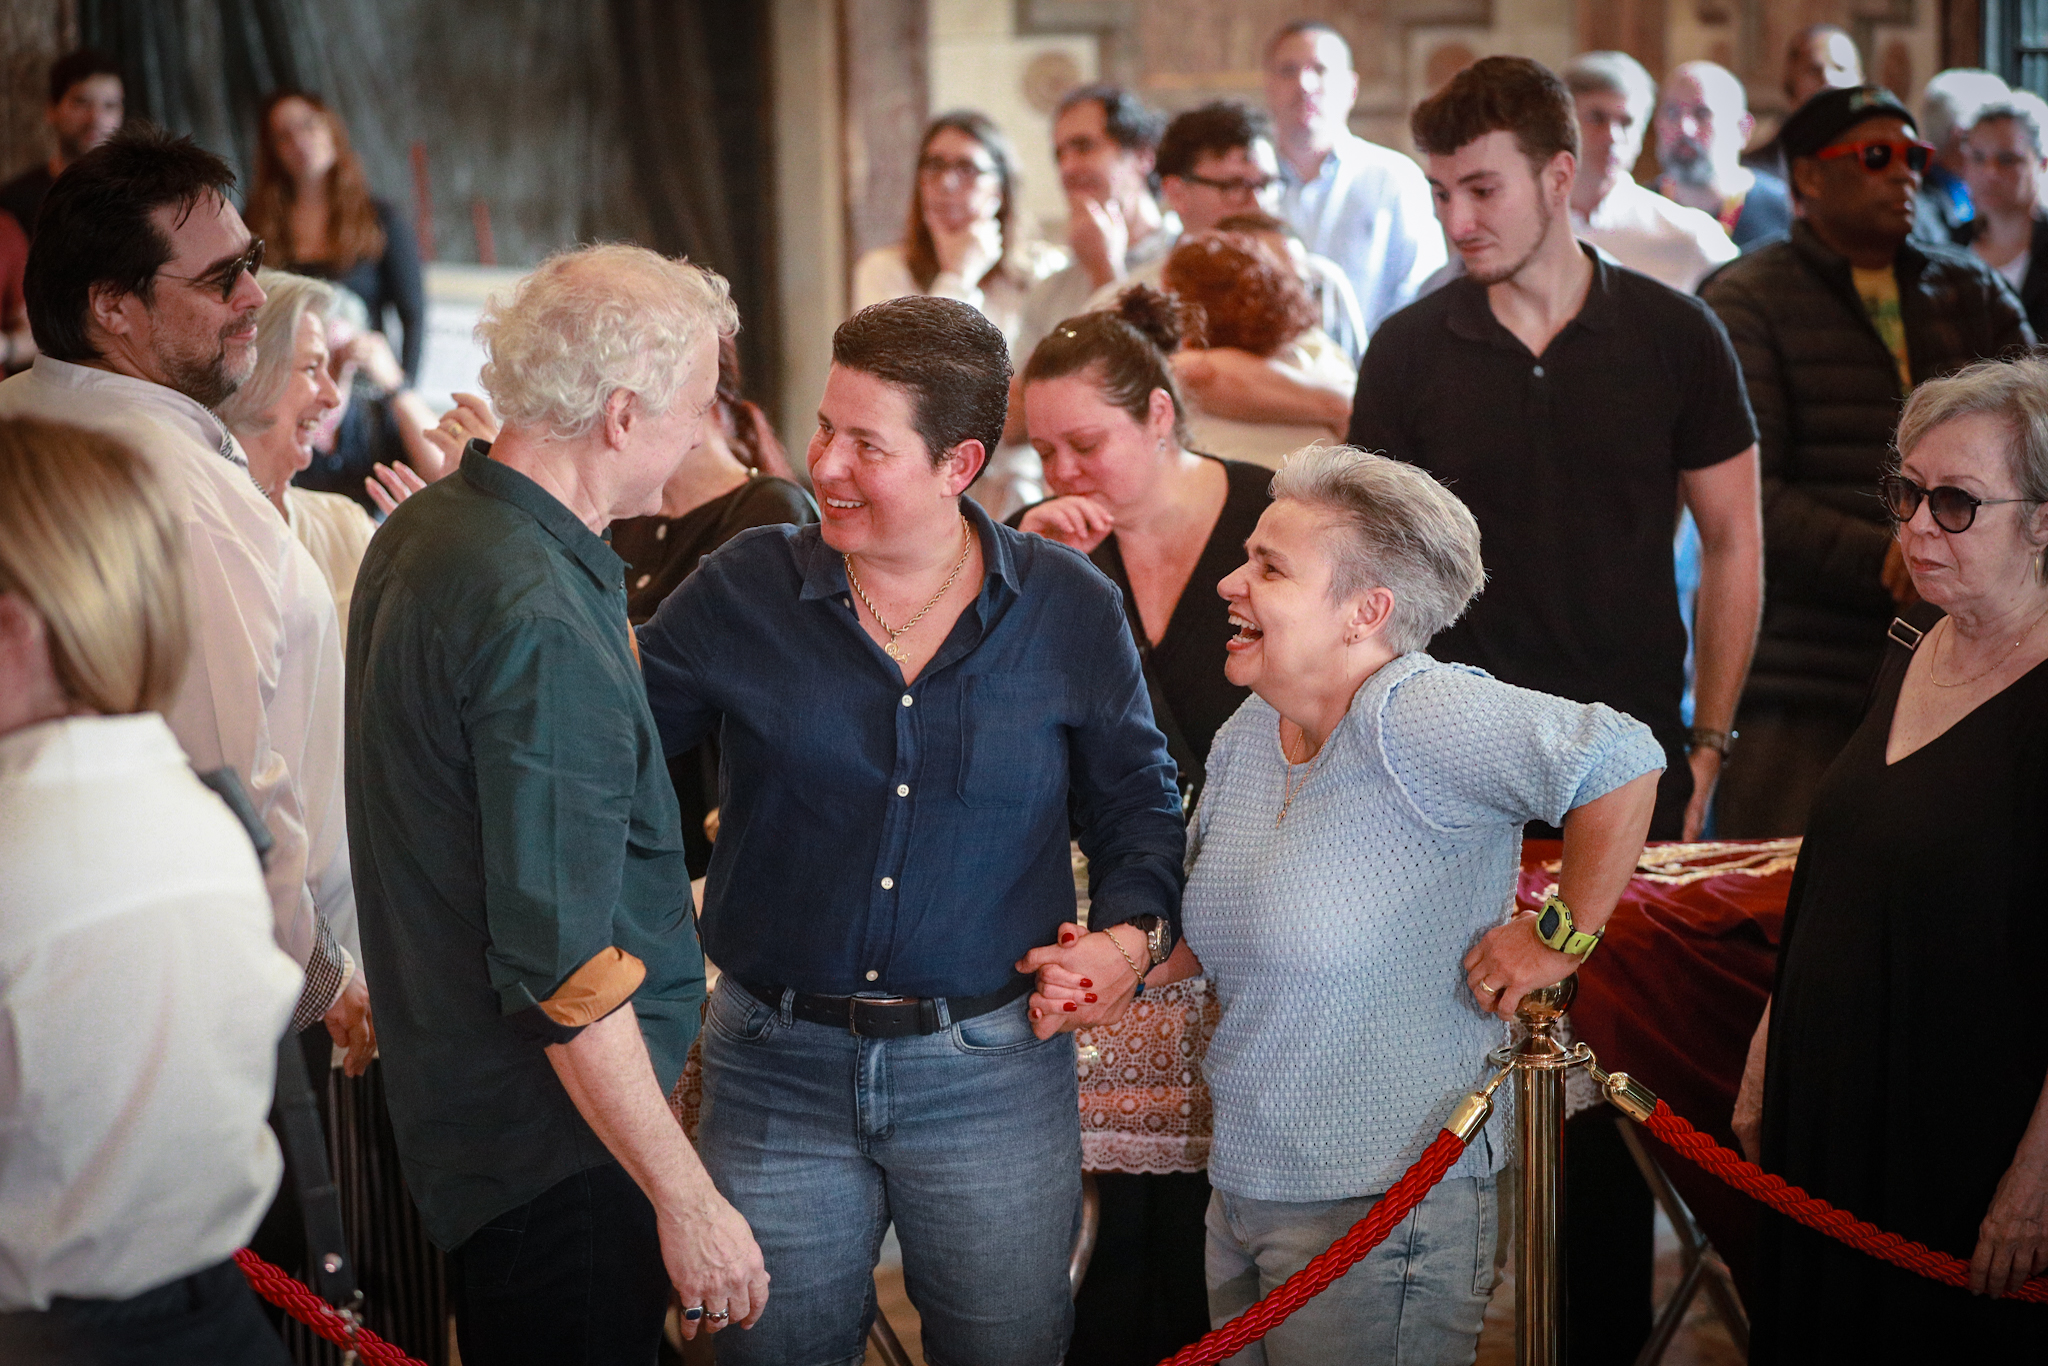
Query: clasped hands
[(1084, 979)]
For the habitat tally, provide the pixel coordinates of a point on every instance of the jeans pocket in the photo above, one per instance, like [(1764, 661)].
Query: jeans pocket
[(1486, 1245), (736, 1015), (1006, 1029)]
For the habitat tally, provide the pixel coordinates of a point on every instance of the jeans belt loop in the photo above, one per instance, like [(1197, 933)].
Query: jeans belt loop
[(788, 1011), (944, 1013)]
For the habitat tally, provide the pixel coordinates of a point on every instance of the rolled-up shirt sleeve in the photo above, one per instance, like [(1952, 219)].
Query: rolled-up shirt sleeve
[(1124, 787), (1469, 750), (555, 781)]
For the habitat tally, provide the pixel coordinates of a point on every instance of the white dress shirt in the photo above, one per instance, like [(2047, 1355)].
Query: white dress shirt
[(1368, 209), (142, 994), (262, 692), (1672, 244)]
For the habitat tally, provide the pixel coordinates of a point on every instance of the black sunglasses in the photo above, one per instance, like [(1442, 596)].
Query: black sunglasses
[(226, 277), (1953, 510)]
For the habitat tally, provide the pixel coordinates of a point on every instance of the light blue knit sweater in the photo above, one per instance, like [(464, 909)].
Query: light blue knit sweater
[(1335, 940)]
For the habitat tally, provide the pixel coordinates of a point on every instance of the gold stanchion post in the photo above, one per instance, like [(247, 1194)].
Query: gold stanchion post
[(1540, 1063)]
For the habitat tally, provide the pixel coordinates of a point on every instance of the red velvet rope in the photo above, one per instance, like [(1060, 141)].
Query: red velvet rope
[(1817, 1213), (308, 1308), (1305, 1284)]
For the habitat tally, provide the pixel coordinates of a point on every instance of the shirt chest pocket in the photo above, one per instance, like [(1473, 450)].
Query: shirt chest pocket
[(1013, 749)]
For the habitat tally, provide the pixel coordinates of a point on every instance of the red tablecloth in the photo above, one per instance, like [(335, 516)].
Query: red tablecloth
[(1676, 989)]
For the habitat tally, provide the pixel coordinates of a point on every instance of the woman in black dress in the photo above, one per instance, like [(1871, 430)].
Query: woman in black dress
[(1166, 524), (1900, 1066)]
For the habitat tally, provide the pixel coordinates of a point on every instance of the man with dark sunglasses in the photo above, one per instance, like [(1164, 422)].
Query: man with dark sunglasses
[(1834, 326), (142, 293)]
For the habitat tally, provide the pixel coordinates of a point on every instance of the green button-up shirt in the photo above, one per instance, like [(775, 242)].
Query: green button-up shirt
[(511, 822)]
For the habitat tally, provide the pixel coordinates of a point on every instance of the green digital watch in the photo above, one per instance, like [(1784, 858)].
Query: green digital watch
[(1554, 927)]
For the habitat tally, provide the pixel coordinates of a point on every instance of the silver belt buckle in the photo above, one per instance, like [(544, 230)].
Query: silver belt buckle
[(854, 1003)]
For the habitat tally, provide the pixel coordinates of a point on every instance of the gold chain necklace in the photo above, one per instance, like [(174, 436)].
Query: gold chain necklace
[(892, 649), (1288, 793), (1994, 666)]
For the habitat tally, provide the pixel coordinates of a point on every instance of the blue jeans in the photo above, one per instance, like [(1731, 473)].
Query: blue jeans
[(969, 1140), (1418, 1299)]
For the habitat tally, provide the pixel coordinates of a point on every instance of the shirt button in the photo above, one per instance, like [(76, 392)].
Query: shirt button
[(645, 579), (661, 532), (872, 974), (906, 699), (1538, 372), (903, 789), (887, 883)]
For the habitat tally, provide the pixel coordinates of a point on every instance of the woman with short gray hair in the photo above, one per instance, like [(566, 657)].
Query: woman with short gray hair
[(1348, 865)]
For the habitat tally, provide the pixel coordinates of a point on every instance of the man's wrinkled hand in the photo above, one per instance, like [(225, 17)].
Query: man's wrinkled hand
[(350, 1026)]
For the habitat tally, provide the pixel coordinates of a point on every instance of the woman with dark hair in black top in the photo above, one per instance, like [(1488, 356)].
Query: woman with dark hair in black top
[(1166, 524)]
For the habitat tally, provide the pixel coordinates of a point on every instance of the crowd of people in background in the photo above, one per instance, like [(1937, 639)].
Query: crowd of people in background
[(1313, 523)]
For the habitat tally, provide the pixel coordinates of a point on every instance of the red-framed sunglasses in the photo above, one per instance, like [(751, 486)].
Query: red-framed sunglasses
[(1877, 153)]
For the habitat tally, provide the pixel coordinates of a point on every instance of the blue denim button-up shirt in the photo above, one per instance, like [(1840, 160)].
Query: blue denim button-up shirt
[(913, 840)]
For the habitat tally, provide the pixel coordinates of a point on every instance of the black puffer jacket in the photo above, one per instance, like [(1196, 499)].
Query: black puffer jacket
[(1826, 393)]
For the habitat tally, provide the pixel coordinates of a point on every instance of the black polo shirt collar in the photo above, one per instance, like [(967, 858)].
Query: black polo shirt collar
[(585, 546), (1471, 315)]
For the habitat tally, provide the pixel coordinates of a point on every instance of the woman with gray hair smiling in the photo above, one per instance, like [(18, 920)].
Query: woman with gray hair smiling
[(274, 415), (1918, 901), (1349, 863)]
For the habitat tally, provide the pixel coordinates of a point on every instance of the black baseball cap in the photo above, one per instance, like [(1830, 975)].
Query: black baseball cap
[(1831, 113)]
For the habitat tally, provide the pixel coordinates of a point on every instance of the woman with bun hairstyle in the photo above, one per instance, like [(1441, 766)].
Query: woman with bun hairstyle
[(1106, 416)]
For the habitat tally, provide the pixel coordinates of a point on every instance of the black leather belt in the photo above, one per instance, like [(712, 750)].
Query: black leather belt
[(887, 1017)]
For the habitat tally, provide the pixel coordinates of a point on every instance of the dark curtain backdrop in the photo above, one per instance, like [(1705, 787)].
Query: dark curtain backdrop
[(572, 120)]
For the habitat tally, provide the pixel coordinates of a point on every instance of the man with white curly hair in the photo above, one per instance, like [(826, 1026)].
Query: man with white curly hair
[(517, 842)]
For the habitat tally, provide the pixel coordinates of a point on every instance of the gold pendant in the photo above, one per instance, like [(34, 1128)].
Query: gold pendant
[(895, 652)]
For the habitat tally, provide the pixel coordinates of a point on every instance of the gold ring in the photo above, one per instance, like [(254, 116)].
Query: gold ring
[(1496, 990)]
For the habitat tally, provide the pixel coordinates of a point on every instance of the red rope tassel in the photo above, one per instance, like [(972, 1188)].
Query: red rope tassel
[(317, 1314), (1817, 1213), (1304, 1285)]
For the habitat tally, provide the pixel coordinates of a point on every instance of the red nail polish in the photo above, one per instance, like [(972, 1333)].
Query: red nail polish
[(1070, 1006), (1066, 939), (1086, 983), (1091, 998)]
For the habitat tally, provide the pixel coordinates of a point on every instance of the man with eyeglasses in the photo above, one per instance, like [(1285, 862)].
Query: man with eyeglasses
[(1702, 123), (1216, 161), (1834, 326), (142, 293)]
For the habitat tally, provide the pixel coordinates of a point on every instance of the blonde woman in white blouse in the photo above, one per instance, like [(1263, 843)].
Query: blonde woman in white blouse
[(142, 991), (960, 240)]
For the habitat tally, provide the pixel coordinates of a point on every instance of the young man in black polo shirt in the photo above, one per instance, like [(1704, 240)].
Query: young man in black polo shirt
[(1571, 404)]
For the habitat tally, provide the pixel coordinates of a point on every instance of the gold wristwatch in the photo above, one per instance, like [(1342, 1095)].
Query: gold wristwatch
[(1555, 929)]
